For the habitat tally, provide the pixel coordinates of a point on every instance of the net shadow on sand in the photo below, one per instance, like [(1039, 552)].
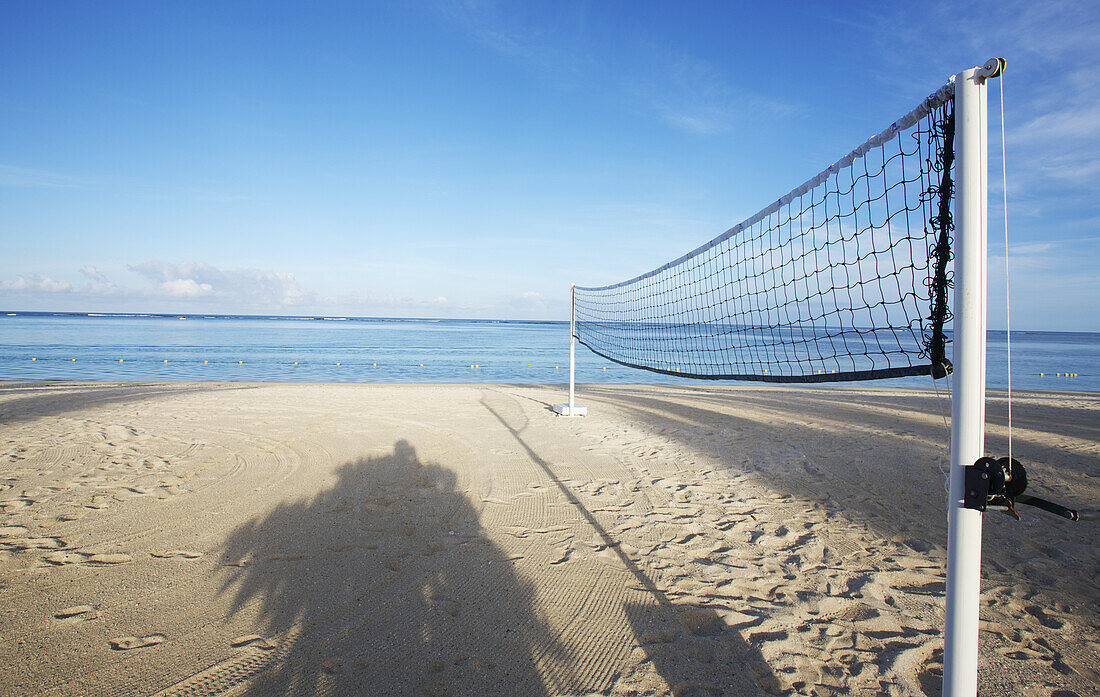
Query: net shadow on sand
[(867, 464), (817, 449)]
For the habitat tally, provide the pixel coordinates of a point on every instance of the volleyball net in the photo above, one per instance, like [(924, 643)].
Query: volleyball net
[(844, 278)]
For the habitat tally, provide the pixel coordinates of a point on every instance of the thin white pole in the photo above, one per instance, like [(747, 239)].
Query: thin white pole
[(572, 342), (964, 545)]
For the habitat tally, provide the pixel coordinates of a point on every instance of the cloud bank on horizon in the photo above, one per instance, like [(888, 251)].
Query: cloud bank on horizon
[(472, 159), (199, 287)]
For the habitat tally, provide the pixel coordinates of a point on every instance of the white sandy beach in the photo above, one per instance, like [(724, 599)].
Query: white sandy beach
[(268, 539)]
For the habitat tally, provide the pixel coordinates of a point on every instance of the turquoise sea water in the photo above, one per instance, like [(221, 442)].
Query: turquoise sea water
[(336, 349)]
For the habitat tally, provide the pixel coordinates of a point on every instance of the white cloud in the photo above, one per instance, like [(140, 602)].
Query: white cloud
[(98, 284), (92, 274), (231, 289), (36, 283), (1031, 248), (533, 303), (254, 287), (1074, 122), (185, 288)]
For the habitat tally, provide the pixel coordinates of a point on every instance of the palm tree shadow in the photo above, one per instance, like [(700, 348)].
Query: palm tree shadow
[(384, 583)]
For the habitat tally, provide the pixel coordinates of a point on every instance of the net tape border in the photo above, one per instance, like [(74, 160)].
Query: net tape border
[(932, 101)]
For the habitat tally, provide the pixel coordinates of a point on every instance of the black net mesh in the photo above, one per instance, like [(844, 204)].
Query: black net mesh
[(845, 278)]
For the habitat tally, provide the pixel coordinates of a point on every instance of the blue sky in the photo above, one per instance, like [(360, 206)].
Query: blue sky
[(471, 159)]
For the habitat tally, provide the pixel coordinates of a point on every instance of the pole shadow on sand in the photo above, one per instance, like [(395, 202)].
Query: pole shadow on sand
[(385, 583), (689, 646)]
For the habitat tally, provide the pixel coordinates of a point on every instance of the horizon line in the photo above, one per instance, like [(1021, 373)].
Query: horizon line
[(252, 315), (338, 317)]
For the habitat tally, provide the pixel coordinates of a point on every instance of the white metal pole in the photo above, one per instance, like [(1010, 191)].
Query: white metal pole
[(964, 545), (572, 342)]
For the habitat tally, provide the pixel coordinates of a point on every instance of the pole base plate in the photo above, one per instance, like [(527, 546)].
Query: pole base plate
[(567, 410)]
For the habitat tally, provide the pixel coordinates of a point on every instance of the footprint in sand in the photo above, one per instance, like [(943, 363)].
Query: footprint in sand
[(1044, 619), (62, 558), (12, 531), (25, 543), (1019, 653), (176, 553), (113, 433), (564, 557), (663, 636), (260, 642), (127, 643), (15, 504), (393, 564), (691, 688), (117, 558), (77, 613), (449, 605), (930, 588), (701, 621)]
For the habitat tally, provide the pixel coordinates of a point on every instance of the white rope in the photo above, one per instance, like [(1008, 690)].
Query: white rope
[(1008, 305), (947, 429)]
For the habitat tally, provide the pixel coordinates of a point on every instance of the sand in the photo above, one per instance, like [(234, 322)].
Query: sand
[(239, 539)]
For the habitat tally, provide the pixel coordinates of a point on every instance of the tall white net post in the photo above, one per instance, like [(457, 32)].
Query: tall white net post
[(964, 544), (572, 408)]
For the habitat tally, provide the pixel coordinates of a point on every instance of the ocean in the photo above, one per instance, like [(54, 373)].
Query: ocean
[(122, 347)]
